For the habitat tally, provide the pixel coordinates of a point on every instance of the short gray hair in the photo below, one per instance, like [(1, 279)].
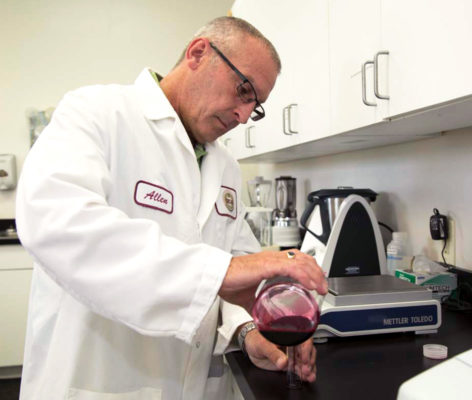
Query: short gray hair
[(225, 31)]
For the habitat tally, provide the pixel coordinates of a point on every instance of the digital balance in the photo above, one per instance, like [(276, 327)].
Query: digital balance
[(344, 237)]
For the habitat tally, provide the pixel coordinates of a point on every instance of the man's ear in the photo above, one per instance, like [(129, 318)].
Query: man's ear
[(196, 51)]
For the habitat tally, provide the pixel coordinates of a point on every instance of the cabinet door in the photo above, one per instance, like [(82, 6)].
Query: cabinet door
[(354, 38), (244, 141), (14, 294), (430, 61), (227, 141), (307, 63), (272, 18), (300, 100)]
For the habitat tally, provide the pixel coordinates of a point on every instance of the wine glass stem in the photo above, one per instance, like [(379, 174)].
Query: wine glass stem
[(293, 380)]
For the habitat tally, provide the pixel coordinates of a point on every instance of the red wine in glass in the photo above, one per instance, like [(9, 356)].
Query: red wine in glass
[(287, 314), (289, 331)]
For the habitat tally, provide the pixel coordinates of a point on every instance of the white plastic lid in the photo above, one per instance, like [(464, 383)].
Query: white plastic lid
[(435, 351), (400, 236), (259, 180)]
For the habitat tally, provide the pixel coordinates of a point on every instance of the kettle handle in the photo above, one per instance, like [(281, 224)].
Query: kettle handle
[(312, 202)]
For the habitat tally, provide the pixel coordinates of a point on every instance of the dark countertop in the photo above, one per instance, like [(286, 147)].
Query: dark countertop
[(364, 367), (9, 240), (8, 234)]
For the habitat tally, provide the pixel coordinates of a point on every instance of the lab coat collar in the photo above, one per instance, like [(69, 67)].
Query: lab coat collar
[(156, 106), (154, 102)]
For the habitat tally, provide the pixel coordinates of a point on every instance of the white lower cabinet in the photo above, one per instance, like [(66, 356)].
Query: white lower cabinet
[(14, 293), (15, 281)]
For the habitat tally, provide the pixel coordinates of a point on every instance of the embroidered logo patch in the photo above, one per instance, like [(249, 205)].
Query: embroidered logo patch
[(226, 204), (229, 200), (153, 196)]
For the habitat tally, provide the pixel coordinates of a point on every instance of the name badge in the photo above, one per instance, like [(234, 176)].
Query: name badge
[(153, 196), (227, 203)]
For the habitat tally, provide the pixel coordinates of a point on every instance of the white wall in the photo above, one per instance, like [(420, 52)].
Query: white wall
[(411, 179), (48, 47)]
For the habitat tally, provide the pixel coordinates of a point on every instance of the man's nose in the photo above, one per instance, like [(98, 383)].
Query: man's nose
[(243, 112)]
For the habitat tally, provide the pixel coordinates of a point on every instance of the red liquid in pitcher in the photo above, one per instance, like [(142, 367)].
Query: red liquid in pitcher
[(290, 330)]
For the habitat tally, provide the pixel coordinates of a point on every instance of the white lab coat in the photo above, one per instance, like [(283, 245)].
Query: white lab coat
[(131, 243)]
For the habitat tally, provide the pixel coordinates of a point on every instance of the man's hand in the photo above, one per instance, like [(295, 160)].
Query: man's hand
[(246, 272), (267, 355)]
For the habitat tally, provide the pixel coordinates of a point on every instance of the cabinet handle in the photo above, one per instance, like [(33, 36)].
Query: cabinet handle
[(290, 108), (284, 120), (376, 75), (364, 90), (287, 119), (249, 145)]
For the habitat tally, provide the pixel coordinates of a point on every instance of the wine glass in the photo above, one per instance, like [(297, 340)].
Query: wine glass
[(287, 314)]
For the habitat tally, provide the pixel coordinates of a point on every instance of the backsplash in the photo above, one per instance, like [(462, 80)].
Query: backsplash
[(411, 179)]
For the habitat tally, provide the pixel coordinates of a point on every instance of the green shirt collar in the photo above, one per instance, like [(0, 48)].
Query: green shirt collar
[(200, 152), (156, 76)]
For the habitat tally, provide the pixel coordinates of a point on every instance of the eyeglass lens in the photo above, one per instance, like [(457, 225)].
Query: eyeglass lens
[(247, 94)]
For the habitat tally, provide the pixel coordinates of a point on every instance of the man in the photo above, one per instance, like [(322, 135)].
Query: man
[(140, 248)]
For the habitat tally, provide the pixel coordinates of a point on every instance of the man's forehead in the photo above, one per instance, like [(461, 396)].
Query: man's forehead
[(255, 61)]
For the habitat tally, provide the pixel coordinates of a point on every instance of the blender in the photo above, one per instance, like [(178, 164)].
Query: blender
[(285, 230), (258, 215)]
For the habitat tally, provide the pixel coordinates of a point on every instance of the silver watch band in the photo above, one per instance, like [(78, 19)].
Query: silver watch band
[(248, 327)]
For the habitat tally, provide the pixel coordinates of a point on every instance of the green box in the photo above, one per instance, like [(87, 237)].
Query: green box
[(441, 284)]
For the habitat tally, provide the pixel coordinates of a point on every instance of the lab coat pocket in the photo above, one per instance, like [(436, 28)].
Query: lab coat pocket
[(141, 394)]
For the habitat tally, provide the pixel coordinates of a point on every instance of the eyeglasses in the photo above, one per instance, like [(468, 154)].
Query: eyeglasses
[(246, 91)]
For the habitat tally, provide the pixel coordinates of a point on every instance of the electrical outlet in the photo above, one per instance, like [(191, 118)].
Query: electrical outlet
[(450, 249)]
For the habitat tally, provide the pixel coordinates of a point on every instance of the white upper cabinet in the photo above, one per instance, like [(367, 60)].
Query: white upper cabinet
[(354, 39), (244, 140), (305, 59), (394, 57), (430, 61), (298, 107), (359, 74)]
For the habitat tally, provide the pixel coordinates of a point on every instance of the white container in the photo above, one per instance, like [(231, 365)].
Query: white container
[(398, 253), (260, 221)]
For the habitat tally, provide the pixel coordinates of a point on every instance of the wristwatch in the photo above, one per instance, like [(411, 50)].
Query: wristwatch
[(248, 327)]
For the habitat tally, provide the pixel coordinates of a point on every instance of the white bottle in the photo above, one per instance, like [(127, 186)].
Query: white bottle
[(398, 256)]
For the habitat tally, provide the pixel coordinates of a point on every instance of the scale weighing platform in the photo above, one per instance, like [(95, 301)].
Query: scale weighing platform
[(369, 305)]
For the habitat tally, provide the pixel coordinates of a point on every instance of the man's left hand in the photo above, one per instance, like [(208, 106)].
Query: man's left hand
[(267, 355)]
